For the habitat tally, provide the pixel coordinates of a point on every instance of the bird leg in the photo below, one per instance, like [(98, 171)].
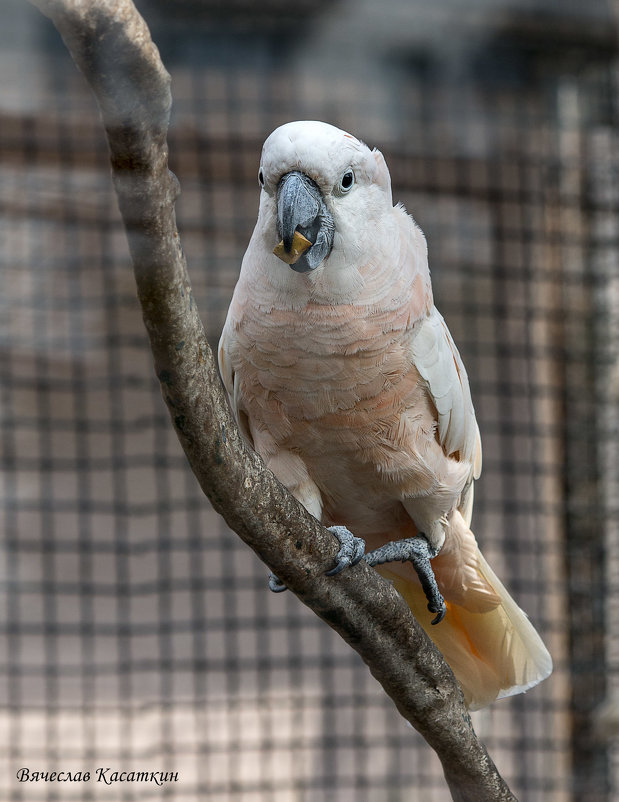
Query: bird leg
[(416, 550), (419, 552), (351, 551)]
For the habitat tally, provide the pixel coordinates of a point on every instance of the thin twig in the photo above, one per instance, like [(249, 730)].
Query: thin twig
[(111, 44)]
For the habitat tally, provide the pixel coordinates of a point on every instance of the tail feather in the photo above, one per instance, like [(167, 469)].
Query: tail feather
[(495, 653)]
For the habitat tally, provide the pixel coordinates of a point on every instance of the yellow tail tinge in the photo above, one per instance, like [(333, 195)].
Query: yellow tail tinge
[(493, 654)]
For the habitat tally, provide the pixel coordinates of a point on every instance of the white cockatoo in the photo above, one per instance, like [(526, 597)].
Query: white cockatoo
[(345, 379)]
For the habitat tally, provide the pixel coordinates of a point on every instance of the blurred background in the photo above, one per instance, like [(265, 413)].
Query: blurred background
[(136, 631)]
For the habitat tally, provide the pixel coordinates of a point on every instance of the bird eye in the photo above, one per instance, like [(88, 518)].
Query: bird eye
[(261, 177), (346, 181)]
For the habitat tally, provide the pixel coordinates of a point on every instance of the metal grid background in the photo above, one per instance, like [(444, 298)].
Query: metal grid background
[(136, 631)]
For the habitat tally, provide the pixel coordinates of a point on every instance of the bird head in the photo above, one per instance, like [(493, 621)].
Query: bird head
[(321, 186)]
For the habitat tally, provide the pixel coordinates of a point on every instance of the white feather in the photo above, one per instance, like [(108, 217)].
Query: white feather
[(439, 364)]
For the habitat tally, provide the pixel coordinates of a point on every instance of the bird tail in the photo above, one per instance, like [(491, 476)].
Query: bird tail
[(490, 644)]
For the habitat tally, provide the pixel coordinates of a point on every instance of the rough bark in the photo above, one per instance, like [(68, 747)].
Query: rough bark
[(111, 45)]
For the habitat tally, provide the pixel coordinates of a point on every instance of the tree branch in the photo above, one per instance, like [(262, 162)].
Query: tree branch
[(111, 45)]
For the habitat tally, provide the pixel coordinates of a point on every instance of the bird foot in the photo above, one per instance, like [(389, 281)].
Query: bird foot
[(416, 550), (351, 551), (276, 585), (419, 552)]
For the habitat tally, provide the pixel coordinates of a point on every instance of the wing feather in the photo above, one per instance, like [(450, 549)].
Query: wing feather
[(437, 359), (230, 382)]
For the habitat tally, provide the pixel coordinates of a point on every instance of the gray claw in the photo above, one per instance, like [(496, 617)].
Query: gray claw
[(351, 550), (419, 552), (276, 584)]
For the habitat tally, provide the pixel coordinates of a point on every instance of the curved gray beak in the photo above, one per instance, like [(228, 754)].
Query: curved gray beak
[(301, 208)]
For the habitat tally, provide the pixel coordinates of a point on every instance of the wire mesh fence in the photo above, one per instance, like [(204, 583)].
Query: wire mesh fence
[(138, 634)]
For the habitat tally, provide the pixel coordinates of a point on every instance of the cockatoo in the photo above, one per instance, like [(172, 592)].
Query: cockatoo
[(343, 376)]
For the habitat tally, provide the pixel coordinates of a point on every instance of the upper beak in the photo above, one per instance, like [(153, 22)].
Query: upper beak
[(303, 221)]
